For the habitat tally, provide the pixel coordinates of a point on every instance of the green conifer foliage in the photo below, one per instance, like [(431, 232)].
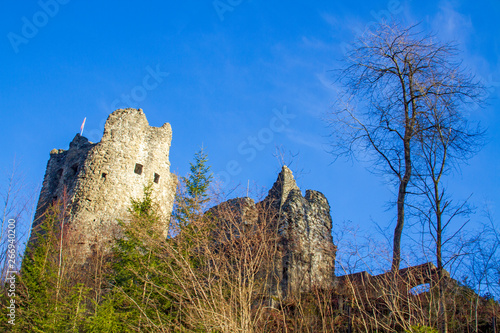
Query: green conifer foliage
[(192, 194), (48, 300), (140, 301), (199, 179)]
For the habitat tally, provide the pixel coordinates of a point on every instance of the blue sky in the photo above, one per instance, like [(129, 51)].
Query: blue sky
[(238, 77)]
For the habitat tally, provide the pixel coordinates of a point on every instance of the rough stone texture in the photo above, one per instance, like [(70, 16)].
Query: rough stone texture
[(234, 213), (306, 242), (306, 257), (309, 252), (281, 188), (96, 181)]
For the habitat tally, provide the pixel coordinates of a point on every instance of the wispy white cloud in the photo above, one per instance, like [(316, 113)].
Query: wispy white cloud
[(314, 43), (310, 140), (450, 24), (326, 80), (330, 19)]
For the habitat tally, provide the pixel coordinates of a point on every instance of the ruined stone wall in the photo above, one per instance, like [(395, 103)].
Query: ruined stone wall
[(306, 254), (96, 182), (306, 242), (309, 252), (63, 169), (100, 179)]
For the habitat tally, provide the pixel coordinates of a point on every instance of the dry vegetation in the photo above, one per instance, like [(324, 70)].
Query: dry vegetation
[(219, 270), (217, 273)]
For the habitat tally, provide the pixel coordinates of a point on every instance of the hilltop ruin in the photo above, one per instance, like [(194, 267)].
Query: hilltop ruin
[(95, 181)]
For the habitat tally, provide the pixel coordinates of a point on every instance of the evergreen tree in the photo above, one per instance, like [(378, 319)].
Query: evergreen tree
[(193, 191), (48, 300), (106, 318), (141, 292), (199, 179), (138, 300)]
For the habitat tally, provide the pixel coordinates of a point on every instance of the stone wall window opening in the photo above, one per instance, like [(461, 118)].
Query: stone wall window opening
[(157, 178), (138, 168), (75, 168), (103, 175)]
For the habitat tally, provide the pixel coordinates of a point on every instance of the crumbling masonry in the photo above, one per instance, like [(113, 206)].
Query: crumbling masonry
[(306, 254), (96, 181)]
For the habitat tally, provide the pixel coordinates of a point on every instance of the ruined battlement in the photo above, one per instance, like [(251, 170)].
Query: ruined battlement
[(305, 256), (95, 181)]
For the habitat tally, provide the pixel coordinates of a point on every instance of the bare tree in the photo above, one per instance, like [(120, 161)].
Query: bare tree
[(482, 270), (388, 78), (447, 140)]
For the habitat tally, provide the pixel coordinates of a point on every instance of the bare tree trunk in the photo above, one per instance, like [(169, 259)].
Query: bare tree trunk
[(398, 231), (442, 319)]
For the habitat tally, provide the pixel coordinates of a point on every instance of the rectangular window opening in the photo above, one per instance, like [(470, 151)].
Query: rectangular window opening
[(157, 178), (103, 175), (138, 168)]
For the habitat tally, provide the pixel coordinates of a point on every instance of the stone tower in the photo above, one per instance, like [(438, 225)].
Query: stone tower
[(96, 181)]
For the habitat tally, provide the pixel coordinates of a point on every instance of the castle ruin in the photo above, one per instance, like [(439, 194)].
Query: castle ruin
[(306, 254), (96, 181)]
